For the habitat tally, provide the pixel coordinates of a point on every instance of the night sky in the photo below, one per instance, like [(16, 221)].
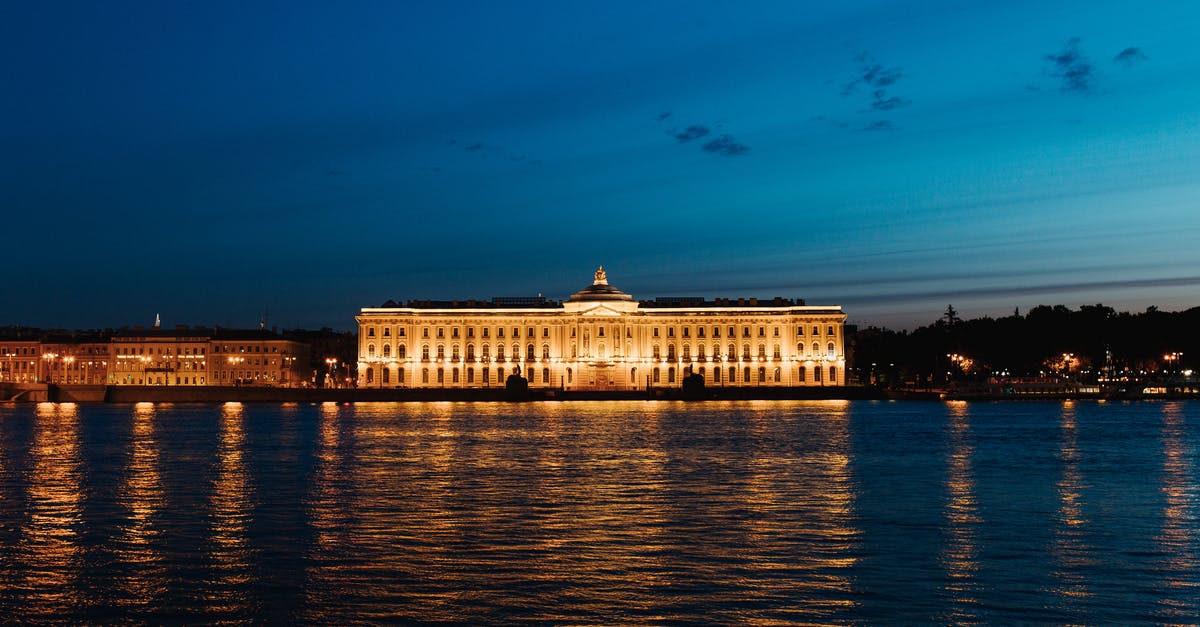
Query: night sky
[(212, 162)]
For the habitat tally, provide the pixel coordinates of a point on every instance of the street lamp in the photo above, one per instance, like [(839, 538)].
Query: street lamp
[(331, 362), (234, 362), (49, 359)]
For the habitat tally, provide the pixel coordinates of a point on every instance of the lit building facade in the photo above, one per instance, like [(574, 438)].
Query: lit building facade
[(21, 361), (207, 357), (601, 339)]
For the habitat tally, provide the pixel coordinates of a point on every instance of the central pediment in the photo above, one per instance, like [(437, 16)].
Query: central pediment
[(609, 309)]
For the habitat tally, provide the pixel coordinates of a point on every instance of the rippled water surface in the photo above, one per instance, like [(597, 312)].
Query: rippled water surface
[(638, 512)]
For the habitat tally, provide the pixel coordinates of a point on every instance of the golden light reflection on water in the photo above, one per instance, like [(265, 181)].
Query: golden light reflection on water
[(327, 512), (231, 500), (1072, 554), (1178, 535), (805, 496), (960, 555), (473, 510), (50, 542), (141, 498)]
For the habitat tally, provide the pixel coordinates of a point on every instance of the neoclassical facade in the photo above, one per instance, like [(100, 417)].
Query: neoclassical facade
[(600, 338)]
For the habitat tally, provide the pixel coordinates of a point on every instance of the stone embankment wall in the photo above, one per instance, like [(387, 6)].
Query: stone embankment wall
[(171, 394)]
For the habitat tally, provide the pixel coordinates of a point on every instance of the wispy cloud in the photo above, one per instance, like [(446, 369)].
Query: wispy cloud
[(727, 146), (1071, 68), (879, 125), (872, 74), (1130, 57), (878, 80), (661, 117), (883, 102), (476, 147), (695, 131)]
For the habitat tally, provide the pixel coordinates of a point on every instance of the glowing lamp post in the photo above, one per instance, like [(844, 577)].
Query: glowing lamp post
[(331, 363)]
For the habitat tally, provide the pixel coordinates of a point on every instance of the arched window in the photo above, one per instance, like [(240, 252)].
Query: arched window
[(746, 374), (441, 374), (546, 376), (687, 351), (370, 375), (656, 351), (545, 351), (499, 352), (454, 375), (762, 375), (657, 376), (454, 352), (832, 374), (816, 349), (471, 352), (777, 352), (370, 350), (831, 351), (570, 376), (400, 376), (802, 374), (716, 375), (529, 352), (670, 352), (516, 352), (800, 349), (386, 374), (425, 375), (387, 350), (746, 353), (401, 352), (441, 351), (778, 376), (762, 351), (424, 352), (731, 353), (671, 374), (732, 374), (487, 352)]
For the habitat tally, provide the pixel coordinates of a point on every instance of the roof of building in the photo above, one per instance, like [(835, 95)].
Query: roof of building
[(600, 290)]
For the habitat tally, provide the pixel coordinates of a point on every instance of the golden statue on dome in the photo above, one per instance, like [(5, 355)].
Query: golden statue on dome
[(601, 277)]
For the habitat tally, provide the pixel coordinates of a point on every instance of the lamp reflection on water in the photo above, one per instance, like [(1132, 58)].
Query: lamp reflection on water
[(1072, 554), (960, 555), (50, 545), (1177, 537), (232, 496), (141, 497)]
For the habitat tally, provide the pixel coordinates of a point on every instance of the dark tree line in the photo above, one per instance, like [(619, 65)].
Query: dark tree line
[(1047, 341)]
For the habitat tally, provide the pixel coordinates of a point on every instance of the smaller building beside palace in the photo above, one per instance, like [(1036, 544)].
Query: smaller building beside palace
[(182, 356), (600, 339)]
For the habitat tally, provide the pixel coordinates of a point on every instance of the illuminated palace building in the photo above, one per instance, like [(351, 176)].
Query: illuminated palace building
[(600, 338)]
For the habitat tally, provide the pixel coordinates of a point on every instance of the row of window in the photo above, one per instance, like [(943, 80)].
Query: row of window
[(656, 351), (748, 375), (440, 332)]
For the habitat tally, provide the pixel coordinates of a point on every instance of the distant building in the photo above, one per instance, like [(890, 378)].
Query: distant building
[(600, 338), (21, 361), (200, 356)]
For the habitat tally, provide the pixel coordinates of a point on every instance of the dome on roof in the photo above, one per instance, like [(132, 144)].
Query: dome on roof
[(600, 290)]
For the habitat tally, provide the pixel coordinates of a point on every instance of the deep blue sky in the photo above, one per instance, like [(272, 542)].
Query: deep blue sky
[(210, 161)]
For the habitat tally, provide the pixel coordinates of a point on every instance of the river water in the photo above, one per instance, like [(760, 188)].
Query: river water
[(608, 512)]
